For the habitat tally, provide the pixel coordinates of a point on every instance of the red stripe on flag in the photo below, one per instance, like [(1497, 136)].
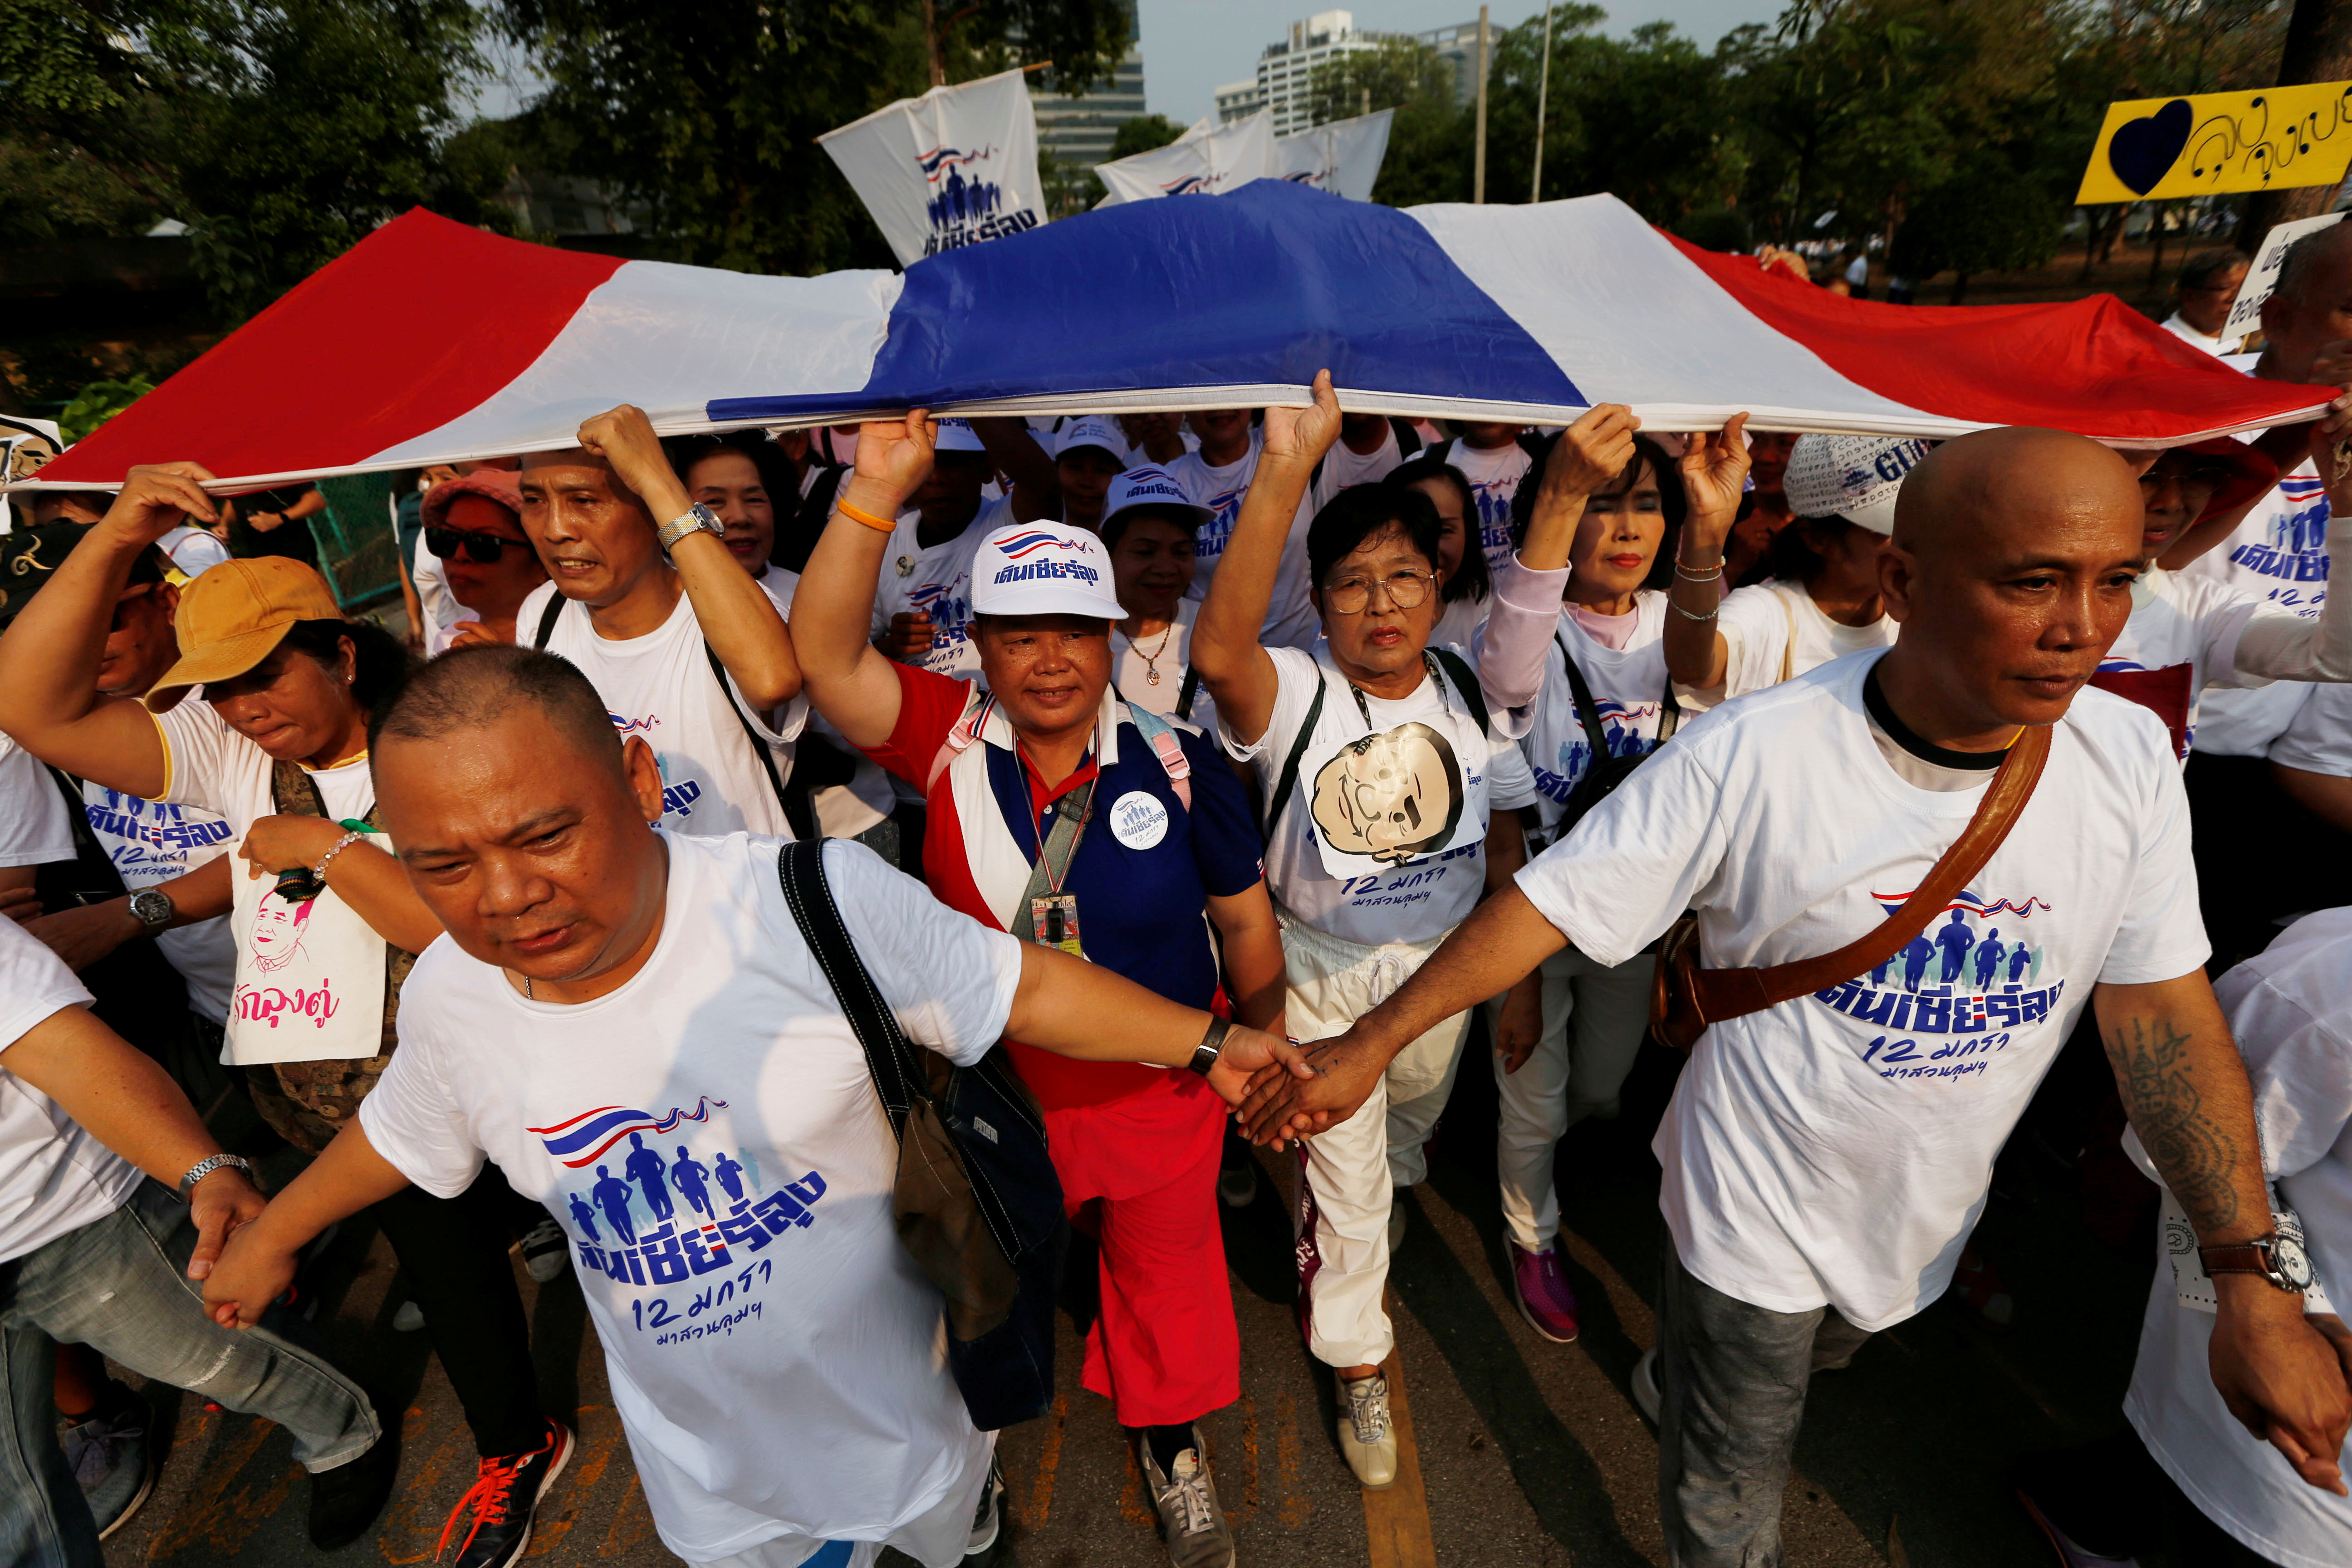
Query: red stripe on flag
[(413, 326), (2002, 363)]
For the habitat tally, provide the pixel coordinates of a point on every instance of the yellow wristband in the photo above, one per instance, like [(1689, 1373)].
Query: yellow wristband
[(878, 524)]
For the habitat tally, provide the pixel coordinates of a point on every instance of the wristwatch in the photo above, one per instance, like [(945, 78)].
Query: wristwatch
[(2280, 1260), (153, 909), (1204, 1055), (205, 1167), (696, 519)]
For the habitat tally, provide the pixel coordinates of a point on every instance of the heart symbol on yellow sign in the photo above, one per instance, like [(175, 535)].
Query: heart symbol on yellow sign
[(2143, 151)]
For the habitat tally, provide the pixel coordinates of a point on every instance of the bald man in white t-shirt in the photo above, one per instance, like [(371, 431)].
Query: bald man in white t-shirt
[(1826, 1158)]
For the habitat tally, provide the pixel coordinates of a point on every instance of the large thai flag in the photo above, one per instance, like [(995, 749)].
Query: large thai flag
[(431, 342)]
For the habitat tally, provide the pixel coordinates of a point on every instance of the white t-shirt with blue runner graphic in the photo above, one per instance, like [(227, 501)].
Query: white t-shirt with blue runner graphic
[(1837, 1148), (2279, 555), (1628, 687), (710, 1138)]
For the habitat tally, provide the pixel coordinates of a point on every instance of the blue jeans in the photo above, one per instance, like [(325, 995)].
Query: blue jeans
[(117, 1286), (1732, 1379)]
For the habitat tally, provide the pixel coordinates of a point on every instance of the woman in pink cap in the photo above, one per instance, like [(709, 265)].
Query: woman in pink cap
[(473, 526)]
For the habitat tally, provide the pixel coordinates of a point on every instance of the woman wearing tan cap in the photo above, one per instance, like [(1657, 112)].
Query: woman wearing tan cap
[(278, 745)]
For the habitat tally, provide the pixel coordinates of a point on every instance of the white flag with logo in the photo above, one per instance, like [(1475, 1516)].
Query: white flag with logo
[(1343, 157), (1206, 161), (954, 168)]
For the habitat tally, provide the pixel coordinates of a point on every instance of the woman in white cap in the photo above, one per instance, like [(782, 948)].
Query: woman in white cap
[(1148, 527), (1393, 799), (1575, 649), (1088, 457), (1819, 597), (1071, 817)]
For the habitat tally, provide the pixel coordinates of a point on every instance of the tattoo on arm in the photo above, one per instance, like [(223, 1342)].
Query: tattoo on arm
[(2151, 1059)]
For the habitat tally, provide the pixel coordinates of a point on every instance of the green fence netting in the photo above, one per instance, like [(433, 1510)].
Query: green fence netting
[(359, 553)]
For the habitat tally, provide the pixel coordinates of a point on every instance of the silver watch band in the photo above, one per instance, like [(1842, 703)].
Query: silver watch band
[(206, 1166), (696, 519)]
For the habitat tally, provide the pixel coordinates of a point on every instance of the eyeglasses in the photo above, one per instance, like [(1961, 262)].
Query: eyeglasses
[(487, 549), (2204, 477), (1352, 595)]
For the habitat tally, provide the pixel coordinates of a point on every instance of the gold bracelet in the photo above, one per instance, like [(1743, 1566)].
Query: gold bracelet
[(867, 518)]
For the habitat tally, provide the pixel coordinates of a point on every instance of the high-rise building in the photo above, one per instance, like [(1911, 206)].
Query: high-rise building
[(1078, 129), (1285, 81), (1458, 47)]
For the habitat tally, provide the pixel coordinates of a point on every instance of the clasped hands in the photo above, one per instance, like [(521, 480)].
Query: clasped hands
[(1277, 1105)]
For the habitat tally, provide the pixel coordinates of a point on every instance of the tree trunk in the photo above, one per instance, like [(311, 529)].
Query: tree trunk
[(2319, 48), (1959, 288), (2155, 253)]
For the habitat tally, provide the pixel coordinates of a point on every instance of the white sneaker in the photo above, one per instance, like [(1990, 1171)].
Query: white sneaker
[(1367, 1440), (988, 1520), (1649, 1394), (1396, 1219), (409, 1318), (1195, 1528)]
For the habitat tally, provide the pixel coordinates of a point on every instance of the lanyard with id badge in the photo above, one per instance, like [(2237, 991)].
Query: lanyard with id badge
[(1052, 913)]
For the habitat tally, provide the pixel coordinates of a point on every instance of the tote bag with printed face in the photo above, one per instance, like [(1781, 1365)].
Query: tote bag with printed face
[(309, 978)]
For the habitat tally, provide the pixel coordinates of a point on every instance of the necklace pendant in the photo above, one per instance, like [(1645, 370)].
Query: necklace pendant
[(1151, 677)]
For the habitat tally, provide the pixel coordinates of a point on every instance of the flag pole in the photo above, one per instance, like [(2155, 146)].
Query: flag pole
[(1543, 89), (1478, 163)]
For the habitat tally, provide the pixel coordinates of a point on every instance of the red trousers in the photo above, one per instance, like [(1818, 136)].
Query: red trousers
[(1163, 1348)]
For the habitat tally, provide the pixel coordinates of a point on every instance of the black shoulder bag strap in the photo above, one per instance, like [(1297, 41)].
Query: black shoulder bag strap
[(1588, 712), (1466, 681), (547, 618), (1187, 694), (801, 819), (799, 866), (1288, 781)]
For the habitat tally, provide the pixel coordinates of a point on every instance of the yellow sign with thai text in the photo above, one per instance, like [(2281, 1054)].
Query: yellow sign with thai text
[(2209, 144)]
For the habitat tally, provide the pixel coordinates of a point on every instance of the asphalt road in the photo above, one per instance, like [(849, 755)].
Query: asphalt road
[(1520, 1451)]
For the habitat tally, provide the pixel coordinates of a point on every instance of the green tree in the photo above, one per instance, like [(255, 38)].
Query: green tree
[(1143, 134), (706, 113), (281, 130), (1430, 136)]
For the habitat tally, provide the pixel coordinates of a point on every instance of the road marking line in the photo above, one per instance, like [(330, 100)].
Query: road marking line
[(1396, 1521), (1295, 1504), (1041, 1489)]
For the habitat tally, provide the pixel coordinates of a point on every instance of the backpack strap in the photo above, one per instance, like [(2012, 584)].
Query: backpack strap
[(1466, 681), (1187, 694), (960, 739), (1588, 712), (796, 812), (799, 866), (1163, 738), (547, 618), (1288, 782)]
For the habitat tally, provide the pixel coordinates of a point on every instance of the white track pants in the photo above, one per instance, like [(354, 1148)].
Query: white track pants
[(1594, 1018), (1349, 1173)]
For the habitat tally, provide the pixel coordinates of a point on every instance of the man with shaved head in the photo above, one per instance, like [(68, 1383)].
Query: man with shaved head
[(777, 1366), (1826, 1158)]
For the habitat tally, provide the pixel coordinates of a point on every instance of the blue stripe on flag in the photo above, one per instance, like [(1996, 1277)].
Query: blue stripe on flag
[(1268, 284)]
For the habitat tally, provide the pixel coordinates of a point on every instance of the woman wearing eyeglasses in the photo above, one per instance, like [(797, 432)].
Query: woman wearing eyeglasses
[(1391, 803), (473, 526)]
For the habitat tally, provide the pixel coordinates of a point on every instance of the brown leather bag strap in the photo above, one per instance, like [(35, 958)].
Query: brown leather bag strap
[(1729, 993)]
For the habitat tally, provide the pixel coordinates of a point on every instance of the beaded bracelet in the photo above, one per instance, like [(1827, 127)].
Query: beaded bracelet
[(319, 871)]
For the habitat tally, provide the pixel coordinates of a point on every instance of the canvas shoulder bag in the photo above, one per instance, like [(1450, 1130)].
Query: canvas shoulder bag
[(1686, 998)]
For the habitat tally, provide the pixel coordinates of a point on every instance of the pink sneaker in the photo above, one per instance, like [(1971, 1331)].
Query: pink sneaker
[(1546, 1299)]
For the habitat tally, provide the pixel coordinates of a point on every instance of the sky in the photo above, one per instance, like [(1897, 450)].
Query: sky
[(1192, 47)]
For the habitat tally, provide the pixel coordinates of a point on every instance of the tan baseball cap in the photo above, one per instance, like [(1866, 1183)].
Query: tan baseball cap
[(232, 615)]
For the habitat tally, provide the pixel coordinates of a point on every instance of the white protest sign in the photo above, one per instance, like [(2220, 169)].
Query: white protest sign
[(309, 977), (954, 167), (1205, 161), (1343, 157), (2246, 314)]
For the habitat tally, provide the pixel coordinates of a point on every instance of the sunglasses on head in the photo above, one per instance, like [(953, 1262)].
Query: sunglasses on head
[(449, 543)]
